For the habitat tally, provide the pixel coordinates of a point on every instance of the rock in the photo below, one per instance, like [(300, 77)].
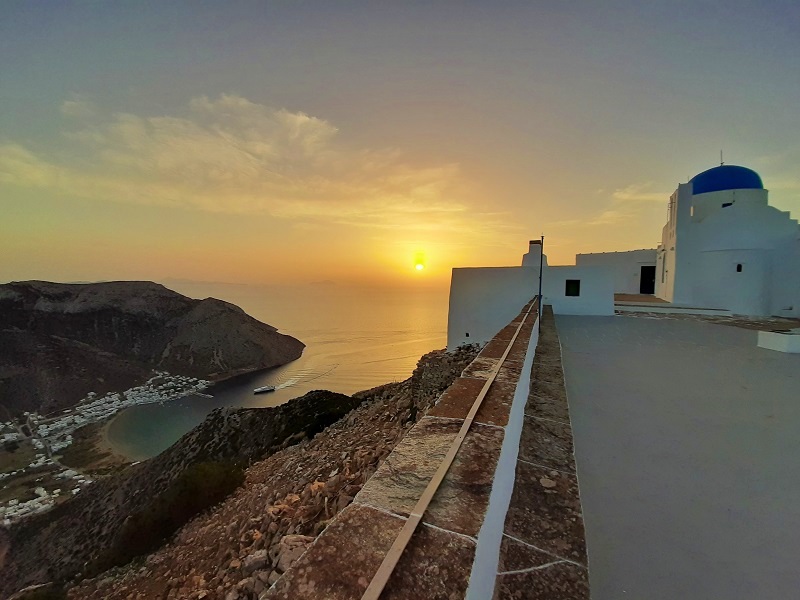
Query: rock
[(254, 562), (235, 564), (246, 585), (292, 547), (259, 586), (546, 482)]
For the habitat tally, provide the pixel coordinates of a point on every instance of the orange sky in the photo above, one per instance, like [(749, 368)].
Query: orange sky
[(258, 146)]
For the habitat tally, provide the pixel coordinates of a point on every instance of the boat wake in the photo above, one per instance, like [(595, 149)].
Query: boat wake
[(306, 375)]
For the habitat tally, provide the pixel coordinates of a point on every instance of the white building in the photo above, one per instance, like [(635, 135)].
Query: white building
[(484, 299), (634, 271), (723, 247)]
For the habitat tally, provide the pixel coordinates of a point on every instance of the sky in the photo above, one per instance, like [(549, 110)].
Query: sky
[(297, 142)]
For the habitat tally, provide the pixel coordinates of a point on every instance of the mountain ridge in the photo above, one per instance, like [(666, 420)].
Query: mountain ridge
[(61, 341)]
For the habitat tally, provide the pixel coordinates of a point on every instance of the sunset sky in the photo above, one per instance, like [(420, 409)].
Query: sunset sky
[(292, 142)]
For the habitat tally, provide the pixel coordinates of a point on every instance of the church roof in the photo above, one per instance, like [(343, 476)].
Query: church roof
[(726, 177)]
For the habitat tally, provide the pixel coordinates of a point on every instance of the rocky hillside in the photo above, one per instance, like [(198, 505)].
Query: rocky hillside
[(88, 525), (60, 341), (311, 471)]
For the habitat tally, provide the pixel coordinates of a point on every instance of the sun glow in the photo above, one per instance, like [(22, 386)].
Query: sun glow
[(419, 260)]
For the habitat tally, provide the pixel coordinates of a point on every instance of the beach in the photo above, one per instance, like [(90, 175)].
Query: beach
[(91, 451)]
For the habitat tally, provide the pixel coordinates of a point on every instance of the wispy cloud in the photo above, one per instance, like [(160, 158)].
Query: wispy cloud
[(229, 154), (623, 207), (639, 192), (77, 106)]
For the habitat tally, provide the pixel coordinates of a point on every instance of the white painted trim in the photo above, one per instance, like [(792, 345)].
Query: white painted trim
[(780, 342), (667, 309), (487, 552)]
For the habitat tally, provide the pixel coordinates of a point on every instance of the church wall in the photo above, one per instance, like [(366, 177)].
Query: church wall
[(785, 283), (677, 243), (722, 249), (738, 280), (705, 205), (745, 226), (625, 267), (661, 271)]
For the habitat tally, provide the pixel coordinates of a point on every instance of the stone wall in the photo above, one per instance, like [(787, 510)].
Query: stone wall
[(438, 562)]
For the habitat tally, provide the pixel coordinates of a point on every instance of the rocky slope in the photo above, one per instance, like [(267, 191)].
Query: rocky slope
[(60, 341), (88, 525), (236, 550)]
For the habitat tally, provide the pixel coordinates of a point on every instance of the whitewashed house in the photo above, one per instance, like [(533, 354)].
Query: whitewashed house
[(723, 247), (484, 299)]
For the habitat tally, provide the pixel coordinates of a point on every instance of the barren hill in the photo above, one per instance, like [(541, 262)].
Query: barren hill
[(60, 341), (88, 525)]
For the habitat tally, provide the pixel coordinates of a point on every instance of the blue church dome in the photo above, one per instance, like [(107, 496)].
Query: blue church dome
[(726, 177)]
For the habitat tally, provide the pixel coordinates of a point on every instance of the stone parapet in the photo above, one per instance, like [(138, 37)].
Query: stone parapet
[(459, 537), (543, 552)]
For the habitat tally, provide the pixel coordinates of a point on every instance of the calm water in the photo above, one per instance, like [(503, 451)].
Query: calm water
[(356, 338)]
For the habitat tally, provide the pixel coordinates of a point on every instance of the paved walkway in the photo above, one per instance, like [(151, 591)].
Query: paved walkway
[(687, 441), (543, 552)]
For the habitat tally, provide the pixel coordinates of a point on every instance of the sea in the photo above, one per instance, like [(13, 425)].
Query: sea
[(356, 338)]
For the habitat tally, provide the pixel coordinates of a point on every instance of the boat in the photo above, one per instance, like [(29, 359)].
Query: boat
[(264, 389)]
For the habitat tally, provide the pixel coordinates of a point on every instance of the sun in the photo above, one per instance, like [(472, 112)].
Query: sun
[(419, 260)]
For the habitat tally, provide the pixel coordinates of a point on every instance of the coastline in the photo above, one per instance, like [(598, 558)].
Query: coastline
[(103, 444), (92, 451)]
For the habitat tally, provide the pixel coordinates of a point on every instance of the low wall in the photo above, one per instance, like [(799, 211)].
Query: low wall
[(504, 523), (457, 544)]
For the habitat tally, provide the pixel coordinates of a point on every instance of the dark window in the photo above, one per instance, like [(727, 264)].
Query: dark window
[(727, 204), (739, 268), (573, 287), (467, 334)]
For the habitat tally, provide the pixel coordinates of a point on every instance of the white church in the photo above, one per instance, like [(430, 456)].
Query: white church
[(723, 248)]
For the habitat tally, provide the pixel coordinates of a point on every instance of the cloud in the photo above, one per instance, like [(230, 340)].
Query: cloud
[(625, 207), (78, 106), (232, 155), (639, 192)]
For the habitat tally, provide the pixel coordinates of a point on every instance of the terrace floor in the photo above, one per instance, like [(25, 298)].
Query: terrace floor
[(687, 442), (639, 298)]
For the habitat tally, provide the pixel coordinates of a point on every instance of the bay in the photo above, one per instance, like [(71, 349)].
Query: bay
[(356, 338)]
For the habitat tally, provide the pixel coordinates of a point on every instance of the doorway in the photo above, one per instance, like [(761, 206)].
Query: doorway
[(647, 280)]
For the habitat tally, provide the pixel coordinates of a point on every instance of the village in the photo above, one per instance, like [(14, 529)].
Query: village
[(32, 476)]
